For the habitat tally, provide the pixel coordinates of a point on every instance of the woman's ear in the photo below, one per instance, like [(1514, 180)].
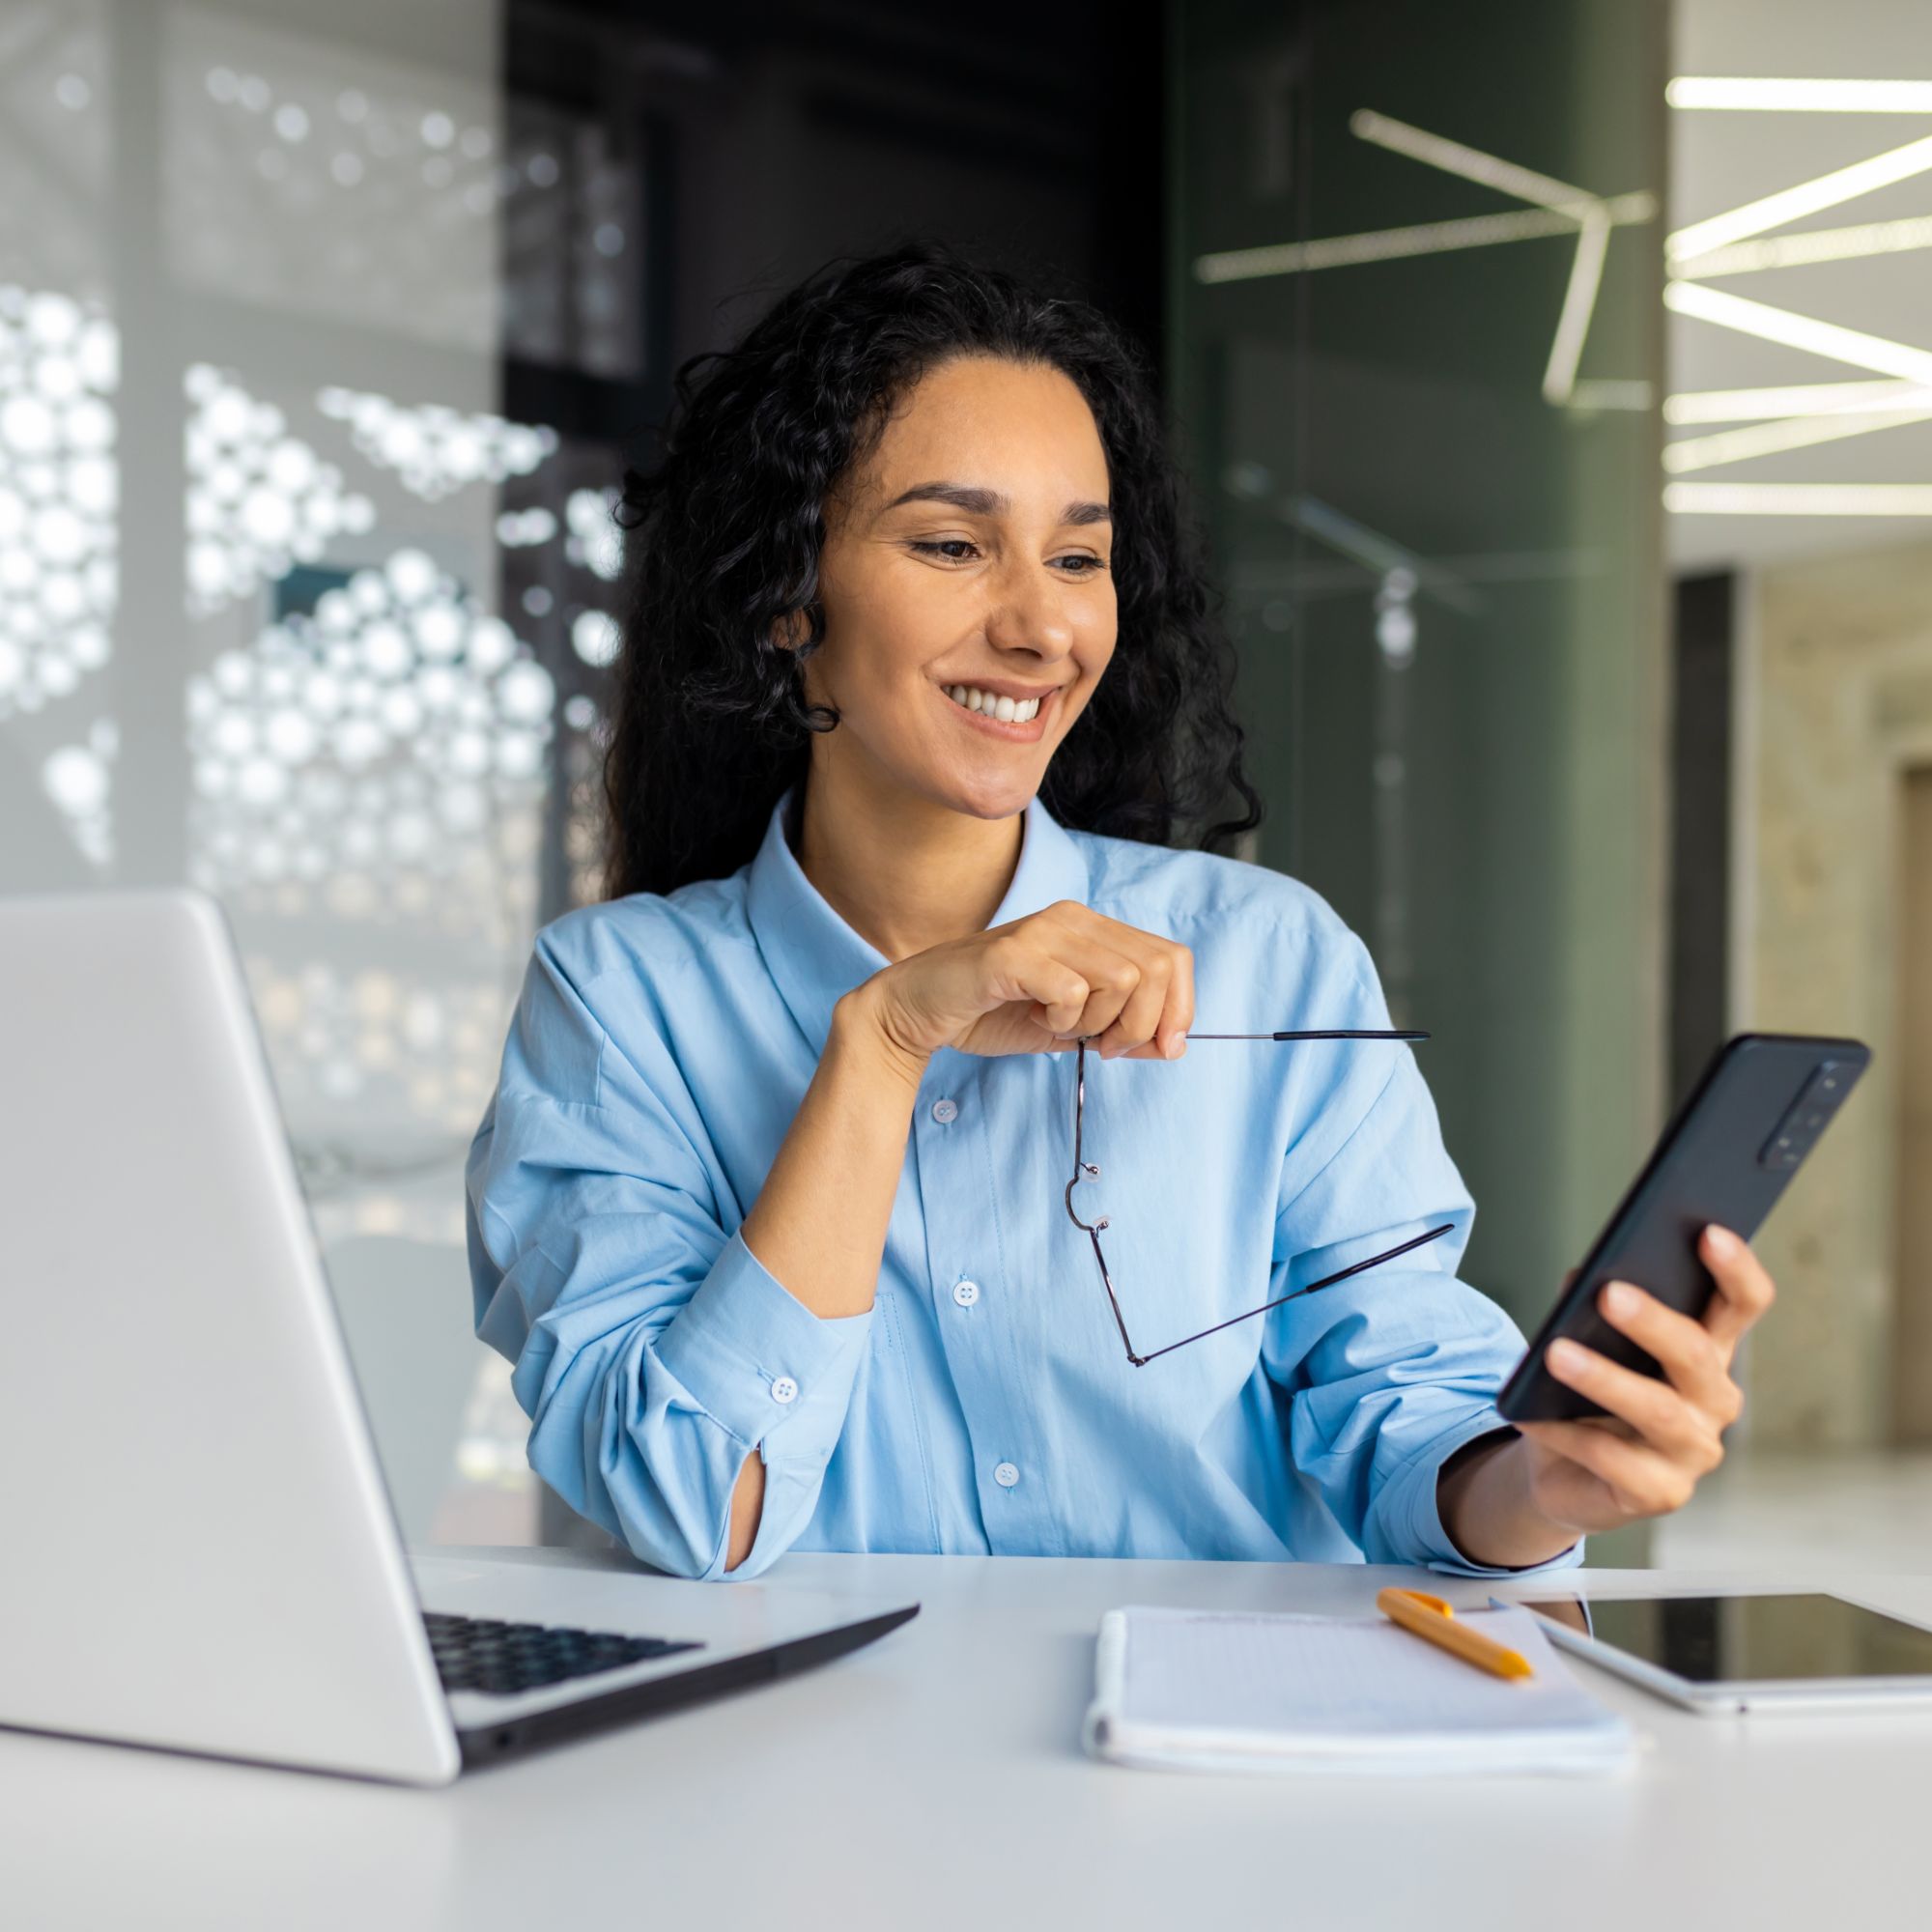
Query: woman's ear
[(790, 631), (794, 628)]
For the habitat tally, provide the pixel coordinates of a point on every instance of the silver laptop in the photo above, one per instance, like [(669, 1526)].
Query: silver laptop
[(201, 1553)]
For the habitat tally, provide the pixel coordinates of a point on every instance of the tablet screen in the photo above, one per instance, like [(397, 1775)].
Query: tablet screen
[(1752, 1639)]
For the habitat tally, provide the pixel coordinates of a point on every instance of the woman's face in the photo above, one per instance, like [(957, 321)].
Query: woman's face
[(970, 556)]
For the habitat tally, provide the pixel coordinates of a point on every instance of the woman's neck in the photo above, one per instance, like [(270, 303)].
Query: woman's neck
[(903, 872)]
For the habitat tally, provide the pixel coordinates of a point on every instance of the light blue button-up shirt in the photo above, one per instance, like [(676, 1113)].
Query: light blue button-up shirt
[(985, 1403)]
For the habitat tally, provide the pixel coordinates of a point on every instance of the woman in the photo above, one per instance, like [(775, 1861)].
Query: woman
[(771, 1208)]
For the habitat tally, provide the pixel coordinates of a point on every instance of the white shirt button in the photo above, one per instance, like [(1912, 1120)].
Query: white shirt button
[(1006, 1475), (785, 1389), (945, 1111), (965, 1292)]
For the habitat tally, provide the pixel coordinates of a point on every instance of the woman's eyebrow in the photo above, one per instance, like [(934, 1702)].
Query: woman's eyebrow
[(982, 503)]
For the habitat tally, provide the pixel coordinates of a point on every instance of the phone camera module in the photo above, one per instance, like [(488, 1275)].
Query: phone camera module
[(1804, 1120)]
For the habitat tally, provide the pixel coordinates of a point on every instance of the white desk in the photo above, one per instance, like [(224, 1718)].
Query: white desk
[(934, 1780)]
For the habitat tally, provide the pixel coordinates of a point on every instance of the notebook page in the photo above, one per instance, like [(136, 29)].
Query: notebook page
[(1306, 1678)]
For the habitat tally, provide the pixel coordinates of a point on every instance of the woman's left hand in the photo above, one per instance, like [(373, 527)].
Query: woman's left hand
[(1661, 1437)]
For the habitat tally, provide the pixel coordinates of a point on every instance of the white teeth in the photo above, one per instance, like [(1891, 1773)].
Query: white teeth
[(1010, 710)]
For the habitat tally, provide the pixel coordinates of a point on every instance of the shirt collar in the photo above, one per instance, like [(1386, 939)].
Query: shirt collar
[(815, 957)]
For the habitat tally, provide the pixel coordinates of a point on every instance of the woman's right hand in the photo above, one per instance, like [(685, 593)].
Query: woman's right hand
[(1038, 985)]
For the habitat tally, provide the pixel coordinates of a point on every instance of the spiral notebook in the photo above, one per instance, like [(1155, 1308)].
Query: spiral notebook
[(1233, 1690)]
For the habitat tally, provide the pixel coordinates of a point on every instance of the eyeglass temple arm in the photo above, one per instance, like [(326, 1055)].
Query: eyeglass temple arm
[(1326, 1281), (1092, 1229), (1107, 1282), (1323, 1032)]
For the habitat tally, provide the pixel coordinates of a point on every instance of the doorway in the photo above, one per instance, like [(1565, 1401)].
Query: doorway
[(1912, 1388)]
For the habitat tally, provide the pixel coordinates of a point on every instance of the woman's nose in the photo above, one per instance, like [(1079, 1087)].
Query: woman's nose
[(1030, 614)]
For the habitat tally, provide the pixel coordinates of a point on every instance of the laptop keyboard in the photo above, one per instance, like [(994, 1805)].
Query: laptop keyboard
[(502, 1658)]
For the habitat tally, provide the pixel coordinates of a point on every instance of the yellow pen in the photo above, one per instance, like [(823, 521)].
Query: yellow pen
[(1432, 1618)]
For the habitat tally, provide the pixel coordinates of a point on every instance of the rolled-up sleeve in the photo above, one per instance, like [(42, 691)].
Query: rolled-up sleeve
[(652, 1350), (1392, 1371)]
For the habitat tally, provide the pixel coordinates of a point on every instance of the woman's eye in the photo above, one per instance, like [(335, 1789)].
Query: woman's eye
[(956, 550)]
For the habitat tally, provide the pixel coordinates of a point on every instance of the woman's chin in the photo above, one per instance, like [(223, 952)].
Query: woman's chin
[(988, 794)]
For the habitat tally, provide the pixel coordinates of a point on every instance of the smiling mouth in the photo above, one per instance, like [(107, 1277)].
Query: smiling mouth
[(995, 709)]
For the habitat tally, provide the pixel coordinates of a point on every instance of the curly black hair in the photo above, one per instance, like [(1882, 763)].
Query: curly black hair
[(710, 722)]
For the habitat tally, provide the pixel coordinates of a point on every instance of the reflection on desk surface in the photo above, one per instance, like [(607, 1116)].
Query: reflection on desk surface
[(1750, 1638)]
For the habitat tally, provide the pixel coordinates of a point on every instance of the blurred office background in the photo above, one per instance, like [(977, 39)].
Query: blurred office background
[(1556, 379)]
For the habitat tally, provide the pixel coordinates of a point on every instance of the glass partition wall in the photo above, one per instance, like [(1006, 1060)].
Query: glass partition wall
[(1415, 342)]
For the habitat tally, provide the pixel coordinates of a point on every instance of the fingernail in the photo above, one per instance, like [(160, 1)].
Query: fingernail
[(1722, 1241), (1566, 1355), (1620, 1298)]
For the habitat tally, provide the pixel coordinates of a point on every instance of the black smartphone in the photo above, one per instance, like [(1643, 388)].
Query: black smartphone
[(1726, 1157)]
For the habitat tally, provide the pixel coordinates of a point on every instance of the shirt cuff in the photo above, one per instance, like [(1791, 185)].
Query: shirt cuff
[(1412, 1509), (760, 1362)]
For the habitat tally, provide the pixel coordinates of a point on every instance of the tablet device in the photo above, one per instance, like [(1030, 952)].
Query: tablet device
[(1748, 1652)]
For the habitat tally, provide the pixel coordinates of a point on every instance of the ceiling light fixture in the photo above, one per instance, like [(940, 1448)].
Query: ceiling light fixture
[(1799, 499), (1586, 209), (1821, 245), (1612, 392), (1799, 97), (1769, 439), (1579, 303), (1394, 244), (1876, 353), (1791, 399), (1772, 211), (1438, 151)]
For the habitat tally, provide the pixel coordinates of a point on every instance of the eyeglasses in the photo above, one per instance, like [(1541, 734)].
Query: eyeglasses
[(1086, 1170)]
